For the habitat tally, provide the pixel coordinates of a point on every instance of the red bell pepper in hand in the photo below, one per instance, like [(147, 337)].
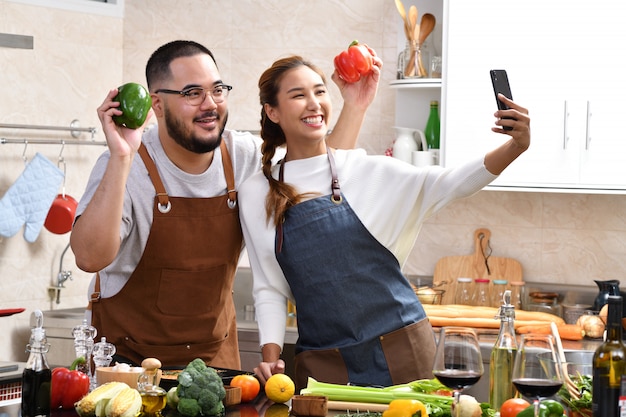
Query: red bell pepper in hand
[(68, 386), (354, 62)]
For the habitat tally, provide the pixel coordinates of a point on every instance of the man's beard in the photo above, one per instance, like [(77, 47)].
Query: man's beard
[(181, 135)]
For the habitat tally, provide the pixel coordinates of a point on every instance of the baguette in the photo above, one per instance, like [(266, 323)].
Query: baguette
[(461, 314)]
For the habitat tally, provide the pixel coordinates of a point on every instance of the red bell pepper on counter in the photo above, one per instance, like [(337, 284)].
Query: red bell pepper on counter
[(68, 386), (354, 62)]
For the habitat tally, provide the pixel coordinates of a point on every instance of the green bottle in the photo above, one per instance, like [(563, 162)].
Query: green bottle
[(432, 130)]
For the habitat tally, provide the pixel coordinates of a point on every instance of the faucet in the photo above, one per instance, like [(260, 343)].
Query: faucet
[(62, 276)]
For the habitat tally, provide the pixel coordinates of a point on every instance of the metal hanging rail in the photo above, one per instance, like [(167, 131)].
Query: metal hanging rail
[(73, 128), (4, 141)]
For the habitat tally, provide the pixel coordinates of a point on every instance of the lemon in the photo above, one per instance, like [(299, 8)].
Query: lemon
[(279, 388)]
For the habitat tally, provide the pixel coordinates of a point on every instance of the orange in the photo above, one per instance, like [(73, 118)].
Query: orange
[(279, 388)]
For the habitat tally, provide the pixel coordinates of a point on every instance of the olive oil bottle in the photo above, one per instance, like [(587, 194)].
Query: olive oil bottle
[(503, 356), (609, 364)]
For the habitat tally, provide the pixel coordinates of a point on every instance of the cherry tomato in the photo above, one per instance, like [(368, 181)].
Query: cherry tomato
[(249, 385), (512, 406)]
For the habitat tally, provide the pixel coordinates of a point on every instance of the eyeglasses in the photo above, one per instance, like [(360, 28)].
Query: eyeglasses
[(195, 96)]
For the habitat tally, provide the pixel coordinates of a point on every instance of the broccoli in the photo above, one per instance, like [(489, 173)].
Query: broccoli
[(200, 390)]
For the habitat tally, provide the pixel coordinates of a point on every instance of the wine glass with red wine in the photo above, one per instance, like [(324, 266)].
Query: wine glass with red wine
[(458, 362), (534, 377)]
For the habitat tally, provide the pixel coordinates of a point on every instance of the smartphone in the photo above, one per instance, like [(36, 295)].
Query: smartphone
[(500, 82)]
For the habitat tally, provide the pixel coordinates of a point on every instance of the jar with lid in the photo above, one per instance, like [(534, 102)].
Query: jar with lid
[(481, 296), (497, 292), (517, 294), (463, 294)]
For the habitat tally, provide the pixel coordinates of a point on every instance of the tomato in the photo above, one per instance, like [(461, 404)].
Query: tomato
[(249, 385), (512, 406)]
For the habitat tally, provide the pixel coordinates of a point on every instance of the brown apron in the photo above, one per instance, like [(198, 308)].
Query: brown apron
[(409, 352), (178, 303)]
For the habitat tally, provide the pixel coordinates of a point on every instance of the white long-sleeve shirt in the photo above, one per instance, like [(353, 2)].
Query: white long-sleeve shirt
[(391, 198)]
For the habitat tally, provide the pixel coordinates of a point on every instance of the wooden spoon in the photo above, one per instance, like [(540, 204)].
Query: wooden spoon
[(569, 384), (427, 24), (412, 21), (405, 21)]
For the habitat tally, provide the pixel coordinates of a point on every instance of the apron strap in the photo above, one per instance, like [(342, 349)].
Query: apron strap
[(334, 186), (95, 295), (164, 201), (229, 173)]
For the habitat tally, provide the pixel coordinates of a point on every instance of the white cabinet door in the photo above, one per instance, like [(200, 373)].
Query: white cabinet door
[(551, 51)]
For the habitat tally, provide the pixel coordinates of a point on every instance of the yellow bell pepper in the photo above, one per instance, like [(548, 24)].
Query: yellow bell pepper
[(406, 408)]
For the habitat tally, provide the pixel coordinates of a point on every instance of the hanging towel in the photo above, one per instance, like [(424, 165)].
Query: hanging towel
[(28, 200)]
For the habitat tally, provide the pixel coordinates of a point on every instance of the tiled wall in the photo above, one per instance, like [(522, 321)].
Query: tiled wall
[(77, 58)]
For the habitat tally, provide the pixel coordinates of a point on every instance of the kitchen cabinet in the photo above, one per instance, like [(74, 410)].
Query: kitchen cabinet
[(413, 97), (563, 63)]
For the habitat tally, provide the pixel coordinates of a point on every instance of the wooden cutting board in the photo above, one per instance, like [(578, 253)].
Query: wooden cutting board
[(480, 264)]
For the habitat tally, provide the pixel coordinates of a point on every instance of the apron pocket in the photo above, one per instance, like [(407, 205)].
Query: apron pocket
[(190, 293), (172, 355), (324, 365), (410, 352)]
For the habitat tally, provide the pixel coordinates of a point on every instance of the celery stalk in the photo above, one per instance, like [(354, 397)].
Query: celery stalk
[(337, 392)]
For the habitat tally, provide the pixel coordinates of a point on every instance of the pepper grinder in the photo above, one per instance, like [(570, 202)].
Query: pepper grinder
[(102, 356), (84, 335)]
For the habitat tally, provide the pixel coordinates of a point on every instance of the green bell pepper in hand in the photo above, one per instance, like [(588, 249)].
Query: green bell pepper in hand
[(135, 103), (547, 408)]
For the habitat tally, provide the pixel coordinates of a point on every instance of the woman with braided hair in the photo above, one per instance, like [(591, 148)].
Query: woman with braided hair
[(336, 229)]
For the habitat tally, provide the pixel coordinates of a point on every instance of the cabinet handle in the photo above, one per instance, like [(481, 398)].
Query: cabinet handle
[(565, 121), (588, 126)]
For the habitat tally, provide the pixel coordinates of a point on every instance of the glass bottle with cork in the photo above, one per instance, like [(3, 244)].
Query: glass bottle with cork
[(37, 375), (503, 355), (431, 131), (609, 364)]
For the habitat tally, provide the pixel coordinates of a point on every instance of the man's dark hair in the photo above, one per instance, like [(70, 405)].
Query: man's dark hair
[(158, 66)]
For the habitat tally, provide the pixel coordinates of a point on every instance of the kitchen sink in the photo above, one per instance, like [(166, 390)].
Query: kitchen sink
[(66, 313)]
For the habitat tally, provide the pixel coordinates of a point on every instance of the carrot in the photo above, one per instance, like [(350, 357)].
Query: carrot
[(566, 331)]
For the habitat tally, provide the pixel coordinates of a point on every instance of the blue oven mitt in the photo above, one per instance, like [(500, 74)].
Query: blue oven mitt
[(29, 199)]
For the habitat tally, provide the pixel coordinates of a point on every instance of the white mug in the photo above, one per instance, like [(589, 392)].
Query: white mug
[(422, 158)]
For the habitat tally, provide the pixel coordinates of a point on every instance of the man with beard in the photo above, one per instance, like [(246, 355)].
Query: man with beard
[(161, 229)]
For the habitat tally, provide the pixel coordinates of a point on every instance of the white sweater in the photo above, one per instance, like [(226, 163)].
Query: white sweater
[(391, 198)]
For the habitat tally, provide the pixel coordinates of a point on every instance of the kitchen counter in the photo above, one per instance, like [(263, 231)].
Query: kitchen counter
[(258, 408)]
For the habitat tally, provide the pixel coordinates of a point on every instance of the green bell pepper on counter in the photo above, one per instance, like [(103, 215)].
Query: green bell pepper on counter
[(135, 103), (547, 408)]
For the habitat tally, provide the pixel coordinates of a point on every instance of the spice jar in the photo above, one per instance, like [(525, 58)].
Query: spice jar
[(518, 294), (481, 295), (463, 294), (497, 292)]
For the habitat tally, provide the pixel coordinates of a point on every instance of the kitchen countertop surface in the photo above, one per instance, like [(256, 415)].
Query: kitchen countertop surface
[(257, 408)]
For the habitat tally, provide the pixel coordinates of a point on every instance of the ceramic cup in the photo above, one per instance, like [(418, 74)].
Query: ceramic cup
[(422, 158)]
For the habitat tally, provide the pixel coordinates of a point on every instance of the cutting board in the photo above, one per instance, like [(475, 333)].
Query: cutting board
[(480, 264)]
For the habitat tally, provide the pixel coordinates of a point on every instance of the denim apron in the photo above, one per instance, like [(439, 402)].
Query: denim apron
[(359, 320)]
